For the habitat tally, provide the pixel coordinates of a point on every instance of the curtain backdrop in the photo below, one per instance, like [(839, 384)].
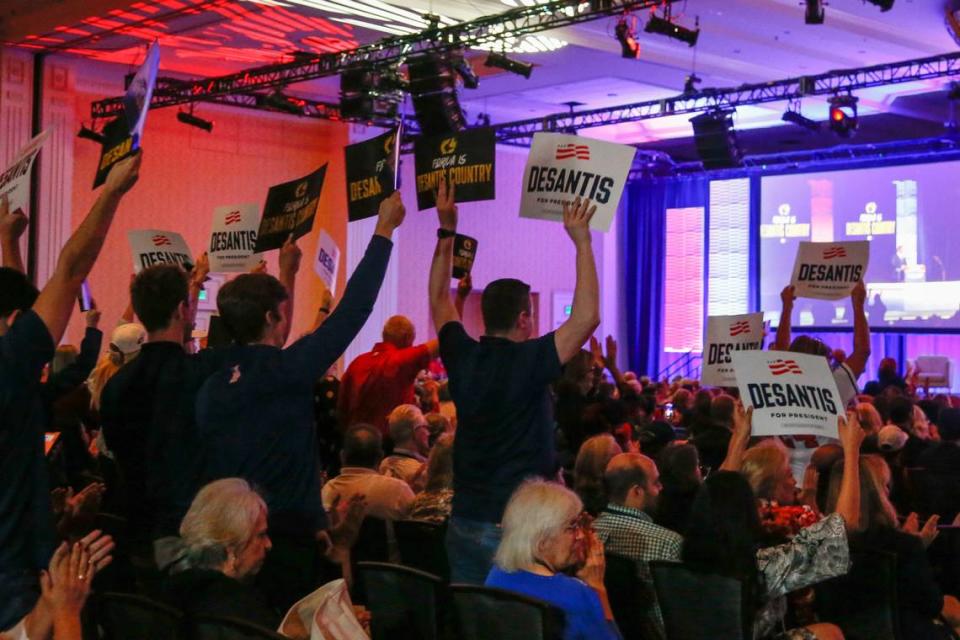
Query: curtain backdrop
[(644, 249)]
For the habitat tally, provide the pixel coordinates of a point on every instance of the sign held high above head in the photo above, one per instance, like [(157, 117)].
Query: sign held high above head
[(829, 270), (726, 335)]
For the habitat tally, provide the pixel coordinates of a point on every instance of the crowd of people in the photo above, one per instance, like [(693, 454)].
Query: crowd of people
[(236, 479)]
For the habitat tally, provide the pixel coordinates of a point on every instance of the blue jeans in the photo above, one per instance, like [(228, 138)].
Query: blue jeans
[(471, 546)]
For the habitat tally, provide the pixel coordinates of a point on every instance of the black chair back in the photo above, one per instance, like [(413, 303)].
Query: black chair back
[(699, 606), (422, 546), (125, 615), (224, 628), (484, 612), (863, 603), (631, 598), (371, 544), (404, 603)]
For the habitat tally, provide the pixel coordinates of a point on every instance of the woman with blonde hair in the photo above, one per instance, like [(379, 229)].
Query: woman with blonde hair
[(919, 599), (125, 343), (588, 471), (544, 536), (434, 503), (767, 468)]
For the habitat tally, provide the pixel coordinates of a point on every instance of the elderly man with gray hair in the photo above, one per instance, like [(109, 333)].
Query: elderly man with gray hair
[(225, 538), (411, 444)]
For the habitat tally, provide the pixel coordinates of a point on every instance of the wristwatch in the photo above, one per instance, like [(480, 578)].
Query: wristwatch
[(445, 233)]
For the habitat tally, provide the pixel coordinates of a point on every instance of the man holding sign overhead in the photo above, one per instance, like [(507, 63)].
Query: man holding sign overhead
[(500, 386)]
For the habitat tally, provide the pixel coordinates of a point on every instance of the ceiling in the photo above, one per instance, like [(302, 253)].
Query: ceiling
[(745, 41)]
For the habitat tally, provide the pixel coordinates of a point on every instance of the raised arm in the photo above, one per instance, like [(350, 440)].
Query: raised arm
[(585, 315), (464, 287), (323, 311), (787, 296), (848, 501), (442, 309), (290, 256), (12, 226), (315, 352), (57, 298), (196, 278), (857, 361), (742, 426)]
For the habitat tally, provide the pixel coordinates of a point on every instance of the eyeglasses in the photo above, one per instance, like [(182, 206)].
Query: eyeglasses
[(583, 522)]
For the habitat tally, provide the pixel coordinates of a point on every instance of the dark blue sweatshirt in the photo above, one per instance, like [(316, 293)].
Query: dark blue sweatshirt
[(256, 414)]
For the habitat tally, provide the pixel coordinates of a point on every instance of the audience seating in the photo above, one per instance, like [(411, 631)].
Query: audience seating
[(121, 616), (862, 603), (700, 606), (372, 544), (482, 613), (405, 603), (422, 546), (630, 599), (224, 628)]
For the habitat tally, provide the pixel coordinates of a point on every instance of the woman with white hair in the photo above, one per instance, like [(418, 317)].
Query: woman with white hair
[(225, 538), (544, 534)]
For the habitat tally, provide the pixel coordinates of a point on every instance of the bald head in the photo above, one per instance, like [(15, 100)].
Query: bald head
[(399, 332), (632, 480)]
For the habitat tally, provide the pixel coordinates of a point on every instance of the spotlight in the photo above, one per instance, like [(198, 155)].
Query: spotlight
[(814, 12), (194, 121), (368, 93), (280, 102), (843, 115), (90, 134), (665, 27), (690, 84), (465, 70), (885, 5), (629, 47), (501, 61), (799, 119), (434, 92)]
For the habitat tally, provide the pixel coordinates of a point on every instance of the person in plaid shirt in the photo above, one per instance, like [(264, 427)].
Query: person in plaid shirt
[(633, 486)]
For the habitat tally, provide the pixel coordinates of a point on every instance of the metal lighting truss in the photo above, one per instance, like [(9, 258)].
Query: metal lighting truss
[(521, 132), (482, 31)]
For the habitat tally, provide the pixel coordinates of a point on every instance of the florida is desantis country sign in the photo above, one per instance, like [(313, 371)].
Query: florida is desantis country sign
[(829, 270), (724, 336), (561, 167), (791, 393)]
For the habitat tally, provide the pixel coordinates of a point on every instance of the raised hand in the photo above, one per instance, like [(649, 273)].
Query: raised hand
[(391, 215), (851, 434), (742, 421), (290, 255), (596, 352), (787, 296), (65, 585), (576, 219), (610, 360), (201, 268), (465, 286), (595, 566), (124, 174), (92, 316), (859, 294), (12, 223), (326, 299), (446, 204)]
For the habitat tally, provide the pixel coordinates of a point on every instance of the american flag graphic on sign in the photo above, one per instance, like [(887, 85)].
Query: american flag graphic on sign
[(738, 328), (233, 217), (781, 367), (834, 252), (568, 151), (161, 240)]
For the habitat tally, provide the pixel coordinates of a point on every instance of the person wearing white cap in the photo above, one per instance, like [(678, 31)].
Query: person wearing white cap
[(125, 343)]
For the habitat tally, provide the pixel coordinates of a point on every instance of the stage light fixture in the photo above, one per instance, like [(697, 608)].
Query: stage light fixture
[(690, 83), (194, 121), (89, 134), (814, 12), (797, 118), (433, 89), (666, 27), (843, 115), (501, 61), (465, 70), (280, 102), (629, 47), (370, 93), (885, 5)]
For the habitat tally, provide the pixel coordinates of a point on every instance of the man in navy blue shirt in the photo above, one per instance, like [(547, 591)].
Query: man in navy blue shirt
[(256, 414), (500, 386), (30, 327)]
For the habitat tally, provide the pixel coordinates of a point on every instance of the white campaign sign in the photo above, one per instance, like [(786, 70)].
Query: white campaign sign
[(561, 167), (725, 335), (233, 237), (150, 247), (829, 270), (15, 180), (327, 261), (791, 393)]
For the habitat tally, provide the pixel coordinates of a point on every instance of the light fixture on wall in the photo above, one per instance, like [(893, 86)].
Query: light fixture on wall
[(814, 12)]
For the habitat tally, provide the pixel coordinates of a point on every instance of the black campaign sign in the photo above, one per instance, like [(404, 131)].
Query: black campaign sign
[(370, 174), (290, 208), (466, 158), (464, 253)]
